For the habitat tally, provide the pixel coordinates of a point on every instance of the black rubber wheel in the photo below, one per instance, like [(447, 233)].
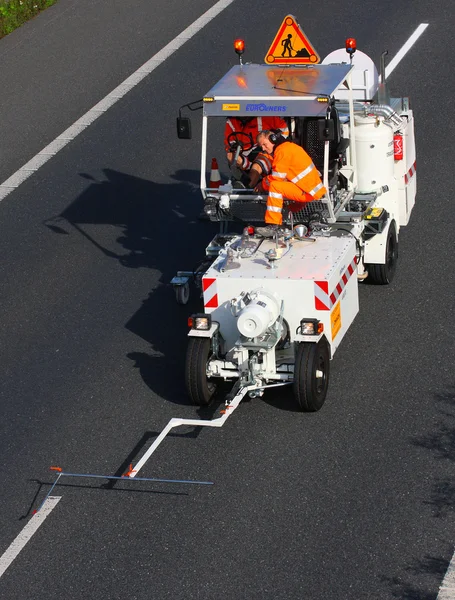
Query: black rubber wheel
[(383, 274), (200, 389), (311, 375), (182, 293)]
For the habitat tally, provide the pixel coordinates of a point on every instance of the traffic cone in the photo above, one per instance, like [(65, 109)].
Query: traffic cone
[(215, 178)]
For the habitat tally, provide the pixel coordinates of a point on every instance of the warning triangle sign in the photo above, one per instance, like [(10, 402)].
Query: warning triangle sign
[(291, 46)]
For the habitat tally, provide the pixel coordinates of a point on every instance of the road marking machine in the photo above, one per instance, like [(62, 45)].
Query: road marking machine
[(275, 309)]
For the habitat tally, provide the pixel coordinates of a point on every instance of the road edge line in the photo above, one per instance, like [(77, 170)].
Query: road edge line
[(35, 163), (27, 532)]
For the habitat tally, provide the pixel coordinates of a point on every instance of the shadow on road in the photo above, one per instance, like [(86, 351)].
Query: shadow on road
[(282, 398), (432, 566), (157, 221), (159, 230), (441, 442)]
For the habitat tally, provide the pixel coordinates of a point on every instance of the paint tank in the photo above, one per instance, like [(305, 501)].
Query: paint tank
[(374, 153)]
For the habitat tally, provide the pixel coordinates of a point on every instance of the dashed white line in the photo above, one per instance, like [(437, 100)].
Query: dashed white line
[(27, 532), (447, 588), (405, 49), (101, 107)]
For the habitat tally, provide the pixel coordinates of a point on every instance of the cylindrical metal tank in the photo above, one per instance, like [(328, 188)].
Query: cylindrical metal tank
[(374, 153), (259, 314)]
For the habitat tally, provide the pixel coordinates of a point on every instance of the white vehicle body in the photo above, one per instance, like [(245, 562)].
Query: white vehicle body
[(262, 297), (311, 280)]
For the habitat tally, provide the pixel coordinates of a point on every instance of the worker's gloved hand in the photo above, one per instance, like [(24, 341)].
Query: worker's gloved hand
[(230, 157)]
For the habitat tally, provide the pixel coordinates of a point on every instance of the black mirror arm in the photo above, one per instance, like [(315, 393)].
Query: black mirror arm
[(191, 106)]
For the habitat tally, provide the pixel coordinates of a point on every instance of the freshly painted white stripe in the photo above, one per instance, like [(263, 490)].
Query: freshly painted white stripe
[(101, 107), (405, 49), (447, 588), (30, 529)]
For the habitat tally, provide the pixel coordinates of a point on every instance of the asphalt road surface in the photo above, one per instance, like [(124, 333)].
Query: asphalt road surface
[(353, 502)]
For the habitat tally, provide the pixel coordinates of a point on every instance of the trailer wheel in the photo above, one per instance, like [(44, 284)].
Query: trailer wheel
[(311, 375), (199, 387), (182, 293), (383, 274)]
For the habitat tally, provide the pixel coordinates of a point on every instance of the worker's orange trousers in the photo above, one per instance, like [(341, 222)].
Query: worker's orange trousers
[(277, 191)]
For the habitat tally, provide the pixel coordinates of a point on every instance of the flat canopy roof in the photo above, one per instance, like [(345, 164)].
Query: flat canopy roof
[(258, 90)]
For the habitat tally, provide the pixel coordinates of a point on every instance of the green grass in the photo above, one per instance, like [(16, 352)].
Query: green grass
[(14, 13)]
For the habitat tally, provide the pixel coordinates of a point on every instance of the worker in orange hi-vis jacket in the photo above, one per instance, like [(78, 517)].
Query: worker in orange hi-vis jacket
[(244, 131), (293, 176)]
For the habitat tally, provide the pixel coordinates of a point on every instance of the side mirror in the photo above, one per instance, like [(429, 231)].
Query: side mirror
[(183, 128), (326, 130), (343, 146)]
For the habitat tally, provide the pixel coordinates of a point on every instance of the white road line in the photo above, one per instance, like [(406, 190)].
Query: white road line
[(30, 529), (447, 587), (63, 139), (405, 49)]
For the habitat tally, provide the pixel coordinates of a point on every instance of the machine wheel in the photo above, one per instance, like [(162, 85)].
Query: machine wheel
[(311, 375), (383, 274), (182, 293), (199, 387)]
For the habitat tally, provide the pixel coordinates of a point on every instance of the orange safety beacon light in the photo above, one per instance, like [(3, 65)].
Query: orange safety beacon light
[(239, 46), (351, 46)]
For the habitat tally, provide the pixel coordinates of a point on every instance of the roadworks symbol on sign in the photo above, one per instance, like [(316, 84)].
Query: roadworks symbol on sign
[(291, 46)]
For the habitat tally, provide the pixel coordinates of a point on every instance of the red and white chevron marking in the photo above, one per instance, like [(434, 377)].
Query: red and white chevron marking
[(210, 292), (321, 295), (410, 174), (322, 299)]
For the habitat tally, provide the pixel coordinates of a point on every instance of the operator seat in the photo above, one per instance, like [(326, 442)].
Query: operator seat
[(310, 135)]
